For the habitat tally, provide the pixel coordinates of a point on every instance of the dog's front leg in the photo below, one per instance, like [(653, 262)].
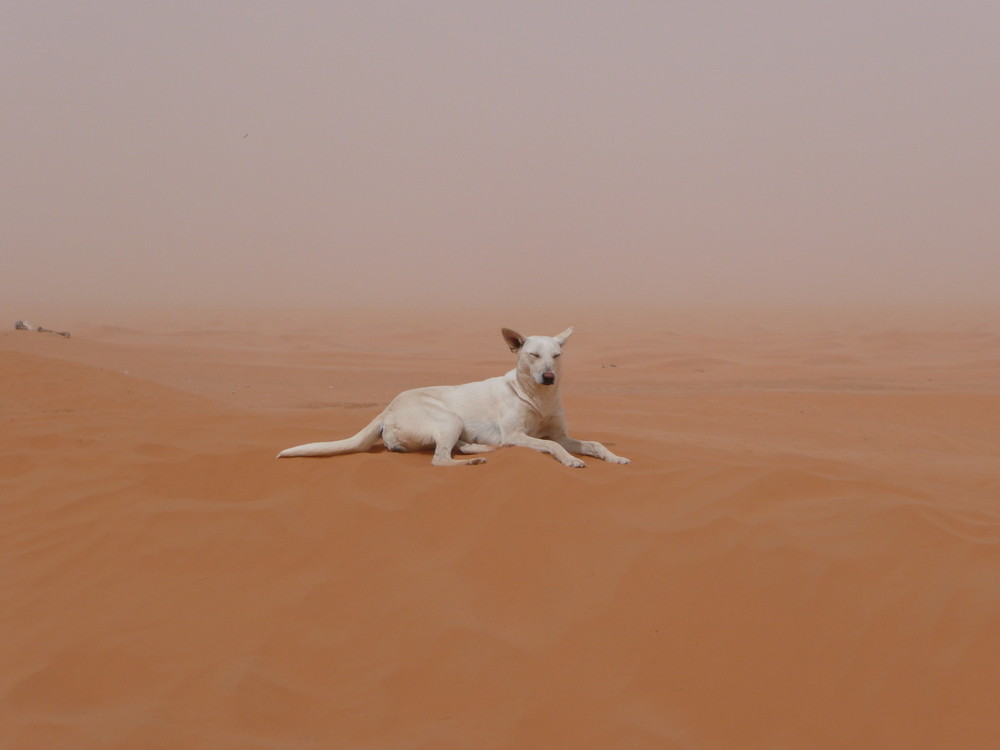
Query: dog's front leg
[(591, 448), (546, 446)]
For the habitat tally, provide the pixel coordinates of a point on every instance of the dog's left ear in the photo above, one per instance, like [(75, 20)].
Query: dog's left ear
[(514, 340), (561, 338)]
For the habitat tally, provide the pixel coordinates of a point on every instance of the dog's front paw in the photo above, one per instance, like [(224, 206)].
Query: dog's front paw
[(618, 460), (574, 463)]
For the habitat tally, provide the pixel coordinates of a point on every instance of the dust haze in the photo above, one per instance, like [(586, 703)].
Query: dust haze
[(449, 152)]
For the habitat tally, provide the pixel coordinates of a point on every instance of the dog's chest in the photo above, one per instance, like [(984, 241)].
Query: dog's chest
[(519, 418)]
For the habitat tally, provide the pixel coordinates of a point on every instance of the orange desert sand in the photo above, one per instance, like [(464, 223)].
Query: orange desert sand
[(804, 552)]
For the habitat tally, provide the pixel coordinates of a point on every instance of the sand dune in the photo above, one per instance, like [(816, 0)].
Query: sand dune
[(803, 553)]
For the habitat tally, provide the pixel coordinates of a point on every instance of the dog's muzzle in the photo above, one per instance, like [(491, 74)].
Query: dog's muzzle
[(548, 378)]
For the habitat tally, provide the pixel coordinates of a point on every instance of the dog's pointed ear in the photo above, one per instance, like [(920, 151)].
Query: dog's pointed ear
[(561, 338), (514, 340)]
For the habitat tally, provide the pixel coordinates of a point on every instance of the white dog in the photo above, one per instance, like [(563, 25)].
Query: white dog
[(520, 408)]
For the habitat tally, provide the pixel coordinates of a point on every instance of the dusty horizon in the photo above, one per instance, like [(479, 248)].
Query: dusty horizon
[(364, 153)]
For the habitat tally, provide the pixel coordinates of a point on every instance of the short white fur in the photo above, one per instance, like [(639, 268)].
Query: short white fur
[(521, 408)]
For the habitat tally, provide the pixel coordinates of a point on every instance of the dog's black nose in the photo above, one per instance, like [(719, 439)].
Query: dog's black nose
[(548, 378)]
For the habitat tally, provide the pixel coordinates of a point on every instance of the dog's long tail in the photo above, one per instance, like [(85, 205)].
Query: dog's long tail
[(357, 444)]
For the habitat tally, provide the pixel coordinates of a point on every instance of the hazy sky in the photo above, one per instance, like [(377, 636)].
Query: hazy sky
[(339, 152)]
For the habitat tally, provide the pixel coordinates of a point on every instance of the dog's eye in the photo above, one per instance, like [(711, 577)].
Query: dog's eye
[(533, 355), (556, 355)]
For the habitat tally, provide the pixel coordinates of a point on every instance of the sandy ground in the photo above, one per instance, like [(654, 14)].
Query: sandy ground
[(804, 553)]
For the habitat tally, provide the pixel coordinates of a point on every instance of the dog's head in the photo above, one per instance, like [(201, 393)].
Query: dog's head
[(537, 356)]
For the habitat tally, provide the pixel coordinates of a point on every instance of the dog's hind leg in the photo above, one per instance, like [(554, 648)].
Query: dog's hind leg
[(464, 447), (446, 437)]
